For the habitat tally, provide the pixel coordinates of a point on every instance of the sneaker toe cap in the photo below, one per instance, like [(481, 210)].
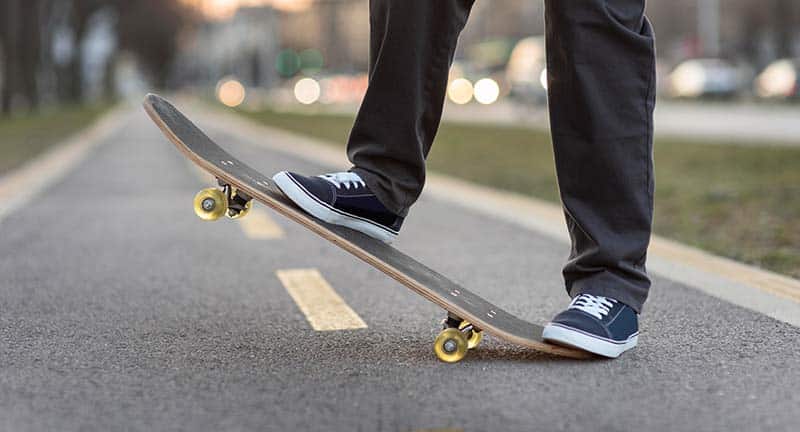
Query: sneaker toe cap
[(580, 321), (315, 186)]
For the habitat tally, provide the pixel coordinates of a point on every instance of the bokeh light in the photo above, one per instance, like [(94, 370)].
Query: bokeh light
[(311, 61), (230, 92), (307, 91), (289, 5), (460, 91), (486, 91), (688, 79), (777, 80), (219, 10), (287, 63)]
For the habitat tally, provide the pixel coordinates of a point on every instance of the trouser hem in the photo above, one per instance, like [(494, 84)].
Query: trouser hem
[(375, 187)]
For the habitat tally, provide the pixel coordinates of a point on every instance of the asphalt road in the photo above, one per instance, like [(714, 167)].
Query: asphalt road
[(120, 310)]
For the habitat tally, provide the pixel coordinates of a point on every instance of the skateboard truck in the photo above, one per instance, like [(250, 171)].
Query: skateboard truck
[(211, 204), (456, 338)]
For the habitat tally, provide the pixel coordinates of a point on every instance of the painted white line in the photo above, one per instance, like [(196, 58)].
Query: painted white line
[(747, 286), (258, 225), (23, 184), (321, 305)]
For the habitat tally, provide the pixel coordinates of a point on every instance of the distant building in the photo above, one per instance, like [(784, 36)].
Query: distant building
[(244, 46), (340, 30)]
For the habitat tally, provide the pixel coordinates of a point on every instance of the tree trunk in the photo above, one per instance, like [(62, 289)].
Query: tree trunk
[(8, 28), (75, 66), (783, 27), (109, 78), (29, 45)]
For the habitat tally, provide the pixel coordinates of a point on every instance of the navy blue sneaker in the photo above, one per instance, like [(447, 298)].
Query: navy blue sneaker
[(341, 199), (597, 324)]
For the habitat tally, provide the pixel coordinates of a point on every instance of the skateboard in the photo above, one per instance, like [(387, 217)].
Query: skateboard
[(468, 315)]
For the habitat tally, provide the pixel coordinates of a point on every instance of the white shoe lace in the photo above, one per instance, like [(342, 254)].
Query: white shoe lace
[(345, 179), (596, 306)]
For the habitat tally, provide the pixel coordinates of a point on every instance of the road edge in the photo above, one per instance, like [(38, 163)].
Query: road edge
[(22, 184)]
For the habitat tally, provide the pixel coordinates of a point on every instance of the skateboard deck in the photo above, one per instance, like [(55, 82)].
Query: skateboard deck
[(468, 314)]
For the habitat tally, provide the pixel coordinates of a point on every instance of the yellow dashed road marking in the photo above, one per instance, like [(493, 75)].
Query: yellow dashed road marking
[(259, 225), (322, 306)]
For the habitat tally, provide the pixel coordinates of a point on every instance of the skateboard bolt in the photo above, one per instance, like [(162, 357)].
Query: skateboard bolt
[(450, 346), (208, 204)]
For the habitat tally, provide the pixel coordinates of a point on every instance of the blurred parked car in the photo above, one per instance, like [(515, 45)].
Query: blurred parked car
[(779, 80), (526, 72), (708, 77)]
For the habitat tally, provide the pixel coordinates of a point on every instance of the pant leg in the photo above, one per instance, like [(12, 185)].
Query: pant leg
[(412, 43), (601, 76)]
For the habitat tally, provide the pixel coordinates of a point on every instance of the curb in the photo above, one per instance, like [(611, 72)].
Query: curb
[(21, 185)]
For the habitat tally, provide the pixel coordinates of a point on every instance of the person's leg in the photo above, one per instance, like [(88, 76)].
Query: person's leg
[(601, 84), (412, 47), (412, 43)]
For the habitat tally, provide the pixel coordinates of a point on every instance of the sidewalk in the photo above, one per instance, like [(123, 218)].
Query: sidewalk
[(735, 123)]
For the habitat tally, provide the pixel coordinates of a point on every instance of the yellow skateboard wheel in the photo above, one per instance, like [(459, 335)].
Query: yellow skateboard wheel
[(210, 204), (451, 345)]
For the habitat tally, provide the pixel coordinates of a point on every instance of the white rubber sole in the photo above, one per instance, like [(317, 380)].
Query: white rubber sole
[(327, 213), (576, 339)]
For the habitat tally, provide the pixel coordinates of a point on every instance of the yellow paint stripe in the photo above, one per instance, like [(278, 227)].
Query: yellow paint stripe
[(322, 306), (258, 225), (774, 283)]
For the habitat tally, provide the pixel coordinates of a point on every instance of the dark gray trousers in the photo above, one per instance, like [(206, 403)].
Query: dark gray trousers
[(601, 73)]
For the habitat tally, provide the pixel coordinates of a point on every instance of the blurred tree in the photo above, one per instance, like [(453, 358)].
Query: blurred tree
[(21, 46), (151, 30), (30, 29), (71, 81), (8, 36), (30, 48), (785, 22)]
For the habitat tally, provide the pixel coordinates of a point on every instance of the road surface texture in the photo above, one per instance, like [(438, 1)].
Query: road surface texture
[(120, 310)]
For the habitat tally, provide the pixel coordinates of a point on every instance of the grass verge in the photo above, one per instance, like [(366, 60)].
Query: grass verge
[(24, 137), (738, 201)]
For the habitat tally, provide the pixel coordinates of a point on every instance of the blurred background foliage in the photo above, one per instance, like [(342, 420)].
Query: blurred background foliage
[(55, 51)]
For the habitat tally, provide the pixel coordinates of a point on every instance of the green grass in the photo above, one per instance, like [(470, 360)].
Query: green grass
[(738, 201), (23, 137)]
